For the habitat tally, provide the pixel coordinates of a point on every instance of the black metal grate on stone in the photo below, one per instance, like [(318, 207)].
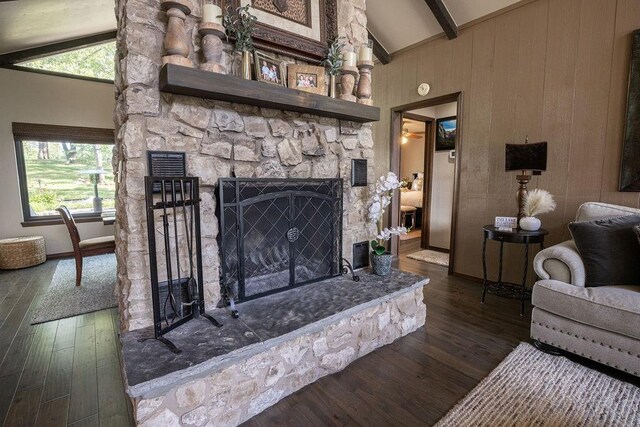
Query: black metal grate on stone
[(277, 234)]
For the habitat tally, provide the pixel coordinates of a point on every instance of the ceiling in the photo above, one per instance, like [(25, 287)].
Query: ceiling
[(396, 24), (401, 23), (26, 24), (412, 125)]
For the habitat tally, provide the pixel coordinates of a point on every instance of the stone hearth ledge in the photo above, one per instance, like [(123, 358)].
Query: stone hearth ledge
[(281, 343)]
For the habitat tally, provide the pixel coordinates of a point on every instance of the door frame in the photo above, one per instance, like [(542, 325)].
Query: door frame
[(395, 141), (429, 143)]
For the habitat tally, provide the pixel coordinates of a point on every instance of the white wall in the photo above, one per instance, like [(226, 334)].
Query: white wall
[(37, 98), (412, 158), (442, 189), (412, 153)]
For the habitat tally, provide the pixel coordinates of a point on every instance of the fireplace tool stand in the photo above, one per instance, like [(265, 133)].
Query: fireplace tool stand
[(346, 269), (175, 203)]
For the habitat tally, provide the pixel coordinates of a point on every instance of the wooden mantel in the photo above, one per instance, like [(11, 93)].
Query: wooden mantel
[(221, 87)]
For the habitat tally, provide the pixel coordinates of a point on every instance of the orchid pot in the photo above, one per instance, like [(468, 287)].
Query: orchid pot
[(381, 263), (380, 258)]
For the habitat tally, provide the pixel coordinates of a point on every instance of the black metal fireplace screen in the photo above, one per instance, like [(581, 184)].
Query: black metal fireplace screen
[(276, 234)]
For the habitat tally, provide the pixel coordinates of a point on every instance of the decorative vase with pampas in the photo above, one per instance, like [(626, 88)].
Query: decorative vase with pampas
[(536, 202)]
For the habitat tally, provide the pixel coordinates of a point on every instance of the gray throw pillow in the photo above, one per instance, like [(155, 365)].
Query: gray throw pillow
[(609, 249)]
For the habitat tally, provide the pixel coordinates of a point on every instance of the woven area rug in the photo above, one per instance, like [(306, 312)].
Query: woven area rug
[(532, 388), (65, 299), (433, 257)]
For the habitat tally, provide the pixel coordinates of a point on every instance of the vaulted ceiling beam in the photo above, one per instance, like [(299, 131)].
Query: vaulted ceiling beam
[(444, 18), (379, 51), (55, 48)]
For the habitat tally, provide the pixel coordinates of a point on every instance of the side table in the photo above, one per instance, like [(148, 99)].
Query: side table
[(518, 236)]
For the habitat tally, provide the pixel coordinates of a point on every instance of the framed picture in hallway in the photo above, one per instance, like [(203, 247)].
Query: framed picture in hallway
[(446, 133)]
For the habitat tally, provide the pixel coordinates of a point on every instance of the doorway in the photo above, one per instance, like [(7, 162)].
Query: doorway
[(425, 147)]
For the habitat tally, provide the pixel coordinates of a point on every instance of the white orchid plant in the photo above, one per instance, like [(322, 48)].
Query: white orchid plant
[(385, 187)]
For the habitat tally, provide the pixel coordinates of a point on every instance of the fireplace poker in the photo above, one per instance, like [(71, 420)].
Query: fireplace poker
[(188, 228), (194, 295), (167, 255), (177, 243)]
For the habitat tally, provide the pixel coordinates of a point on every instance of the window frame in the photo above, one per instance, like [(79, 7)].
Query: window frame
[(52, 133)]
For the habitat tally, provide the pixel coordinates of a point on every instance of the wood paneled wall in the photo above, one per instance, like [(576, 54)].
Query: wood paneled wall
[(555, 70)]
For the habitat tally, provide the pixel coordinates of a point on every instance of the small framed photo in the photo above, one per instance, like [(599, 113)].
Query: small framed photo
[(268, 69), (308, 78), (446, 133)]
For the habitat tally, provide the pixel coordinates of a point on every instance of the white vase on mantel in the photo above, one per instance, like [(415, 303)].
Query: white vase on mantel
[(530, 223)]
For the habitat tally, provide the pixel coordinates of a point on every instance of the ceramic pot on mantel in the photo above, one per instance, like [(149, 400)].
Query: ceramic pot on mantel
[(246, 65), (530, 223), (381, 264)]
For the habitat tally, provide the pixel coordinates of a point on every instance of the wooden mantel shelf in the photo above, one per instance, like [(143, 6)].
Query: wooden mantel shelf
[(221, 87)]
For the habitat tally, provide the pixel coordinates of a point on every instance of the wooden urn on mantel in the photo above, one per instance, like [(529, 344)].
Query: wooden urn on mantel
[(212, 47), (176, 44)]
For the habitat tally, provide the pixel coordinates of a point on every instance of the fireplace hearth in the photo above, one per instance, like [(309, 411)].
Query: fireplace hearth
[(278, 234)]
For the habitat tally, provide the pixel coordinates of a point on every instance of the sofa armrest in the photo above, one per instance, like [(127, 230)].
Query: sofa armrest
[(560, 262)]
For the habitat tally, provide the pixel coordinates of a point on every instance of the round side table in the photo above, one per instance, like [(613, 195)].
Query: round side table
[(518, 236)]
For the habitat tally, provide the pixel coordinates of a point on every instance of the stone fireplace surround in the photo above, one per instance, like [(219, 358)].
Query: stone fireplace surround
[(220, 140)]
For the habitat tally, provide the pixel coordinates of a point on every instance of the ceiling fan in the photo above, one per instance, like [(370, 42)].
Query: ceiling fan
[(406, 135)]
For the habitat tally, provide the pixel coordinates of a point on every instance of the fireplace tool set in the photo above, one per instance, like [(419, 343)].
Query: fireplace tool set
[(173, 215)]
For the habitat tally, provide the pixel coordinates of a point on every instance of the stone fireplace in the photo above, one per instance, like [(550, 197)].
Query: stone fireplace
[(221, 140), (287, 178)]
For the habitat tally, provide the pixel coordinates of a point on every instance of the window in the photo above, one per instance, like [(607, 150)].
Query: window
[(64, 165), (96, 62)]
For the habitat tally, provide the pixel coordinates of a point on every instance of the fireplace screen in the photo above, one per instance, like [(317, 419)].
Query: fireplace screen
[(276, 234)]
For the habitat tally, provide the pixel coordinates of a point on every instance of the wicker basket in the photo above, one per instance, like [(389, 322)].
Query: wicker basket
[(20, 252)]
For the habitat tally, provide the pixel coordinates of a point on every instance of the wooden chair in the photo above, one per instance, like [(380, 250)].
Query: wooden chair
[(84, 248)]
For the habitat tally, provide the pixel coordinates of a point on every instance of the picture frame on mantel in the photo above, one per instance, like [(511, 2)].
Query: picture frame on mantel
[(310, 23), (307, 78), (269, 70)]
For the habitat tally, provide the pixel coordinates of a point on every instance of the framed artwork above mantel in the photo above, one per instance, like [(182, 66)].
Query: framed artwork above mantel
[(309, 24)]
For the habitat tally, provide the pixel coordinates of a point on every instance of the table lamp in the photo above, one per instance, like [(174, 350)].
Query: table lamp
[(524, 158)]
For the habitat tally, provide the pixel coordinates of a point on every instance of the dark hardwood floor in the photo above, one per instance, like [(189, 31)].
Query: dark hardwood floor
[(65, 372)]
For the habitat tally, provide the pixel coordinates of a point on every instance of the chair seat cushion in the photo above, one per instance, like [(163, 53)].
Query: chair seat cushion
[(104, 242), (612, 308), (405, 208)]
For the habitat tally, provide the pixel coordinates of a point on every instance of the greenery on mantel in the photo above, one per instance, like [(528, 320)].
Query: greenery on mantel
[(333, 61), (93, 61), (240, 25)]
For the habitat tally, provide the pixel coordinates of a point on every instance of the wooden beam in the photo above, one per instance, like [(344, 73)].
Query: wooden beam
[(55, 48), (444, 18), (378, 50)]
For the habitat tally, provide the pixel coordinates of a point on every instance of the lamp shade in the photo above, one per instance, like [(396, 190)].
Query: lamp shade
[(526, 157)]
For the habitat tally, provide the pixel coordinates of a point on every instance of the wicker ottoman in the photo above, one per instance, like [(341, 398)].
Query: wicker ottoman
[(20, 252)]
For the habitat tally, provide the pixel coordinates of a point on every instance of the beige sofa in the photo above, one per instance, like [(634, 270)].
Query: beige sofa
[(600, 323)]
